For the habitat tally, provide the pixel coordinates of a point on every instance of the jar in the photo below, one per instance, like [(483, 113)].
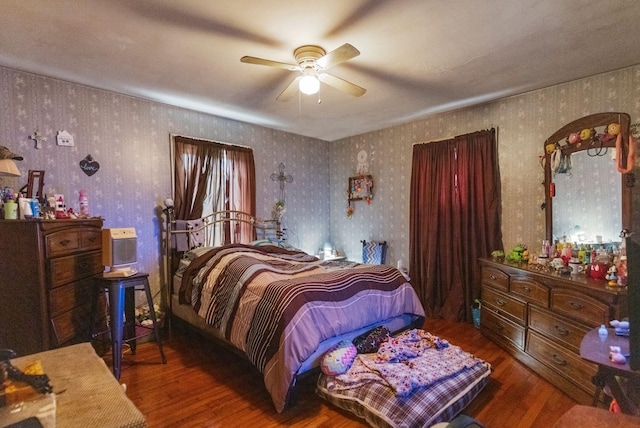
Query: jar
[(10, 210)]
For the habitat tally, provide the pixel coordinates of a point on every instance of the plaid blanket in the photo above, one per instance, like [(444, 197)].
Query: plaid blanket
[(429, 383)]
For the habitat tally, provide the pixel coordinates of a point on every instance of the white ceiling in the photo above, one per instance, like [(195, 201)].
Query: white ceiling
[(418, 57)]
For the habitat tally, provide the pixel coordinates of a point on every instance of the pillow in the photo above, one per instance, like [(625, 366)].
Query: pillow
[(369, 342), (261, 242), (196, 252), (273, 241), (338, 358), (280, 243)]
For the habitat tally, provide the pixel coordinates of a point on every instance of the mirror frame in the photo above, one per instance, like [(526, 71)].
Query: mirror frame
[(589, 122)]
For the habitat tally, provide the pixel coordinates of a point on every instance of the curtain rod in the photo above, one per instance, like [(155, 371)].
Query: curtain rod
[(210, 141), (451, 137)]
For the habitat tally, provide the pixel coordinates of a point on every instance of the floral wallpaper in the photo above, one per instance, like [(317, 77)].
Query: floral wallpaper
[(523, 122), (130, 139)]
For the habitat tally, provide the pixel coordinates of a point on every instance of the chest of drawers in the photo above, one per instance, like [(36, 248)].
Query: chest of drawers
[(46, 282), (541, 318)]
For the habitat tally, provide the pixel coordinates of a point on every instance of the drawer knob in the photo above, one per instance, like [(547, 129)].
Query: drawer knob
[(561, 330), (558, 360), (500, 302), (575, 305), (526, 289), (499, 326), (65, 242), (493, 277)]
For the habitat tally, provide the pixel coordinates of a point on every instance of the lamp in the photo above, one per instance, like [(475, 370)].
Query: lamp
[(309, 84), (8, 167), (7, 162)]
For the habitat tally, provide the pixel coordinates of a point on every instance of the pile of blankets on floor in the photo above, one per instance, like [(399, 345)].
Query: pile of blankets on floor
[(411, 360)]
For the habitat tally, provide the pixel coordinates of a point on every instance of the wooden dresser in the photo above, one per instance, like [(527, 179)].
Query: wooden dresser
[(46, 282), (541, 317)]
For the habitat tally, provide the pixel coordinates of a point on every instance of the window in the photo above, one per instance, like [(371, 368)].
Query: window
[(209, 177)]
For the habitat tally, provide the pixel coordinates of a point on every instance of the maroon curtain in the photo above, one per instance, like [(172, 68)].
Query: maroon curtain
[(454, 219), (241, 191), (194, 163), (223, 175)]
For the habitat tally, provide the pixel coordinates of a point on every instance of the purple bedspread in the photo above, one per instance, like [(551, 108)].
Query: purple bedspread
[(277, 305)]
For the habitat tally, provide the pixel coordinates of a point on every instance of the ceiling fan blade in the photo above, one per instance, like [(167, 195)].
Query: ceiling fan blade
[(290, 90), (335, 57), (342, 84), (268, 62)]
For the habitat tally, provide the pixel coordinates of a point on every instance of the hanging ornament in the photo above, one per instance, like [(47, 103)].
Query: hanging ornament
[(349, 210), (89, 166)]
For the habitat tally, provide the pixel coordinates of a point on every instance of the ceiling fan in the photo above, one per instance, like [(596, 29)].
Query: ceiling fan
[(312, 61)]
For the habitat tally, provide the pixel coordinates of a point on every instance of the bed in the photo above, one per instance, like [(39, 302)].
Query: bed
[(279, 307)]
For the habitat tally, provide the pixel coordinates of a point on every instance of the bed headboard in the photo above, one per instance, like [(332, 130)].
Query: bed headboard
[(213, 230), (217, 228)]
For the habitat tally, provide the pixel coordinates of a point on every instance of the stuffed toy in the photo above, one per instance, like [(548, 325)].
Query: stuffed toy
[(616, 356)]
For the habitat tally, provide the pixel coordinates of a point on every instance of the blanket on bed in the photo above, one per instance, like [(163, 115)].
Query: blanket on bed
[(277, 305)]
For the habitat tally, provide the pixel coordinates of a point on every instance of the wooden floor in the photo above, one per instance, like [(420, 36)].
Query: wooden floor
[(203, 385)]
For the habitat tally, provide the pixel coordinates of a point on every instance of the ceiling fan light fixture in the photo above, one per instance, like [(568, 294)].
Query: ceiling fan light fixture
[(309, 85)]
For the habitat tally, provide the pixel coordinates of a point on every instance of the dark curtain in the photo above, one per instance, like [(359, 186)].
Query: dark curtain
[(241, 191), (221, 174), (454, 220), (194, 162)]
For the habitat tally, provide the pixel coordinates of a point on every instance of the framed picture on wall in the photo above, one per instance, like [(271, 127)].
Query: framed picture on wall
[(361, 188)]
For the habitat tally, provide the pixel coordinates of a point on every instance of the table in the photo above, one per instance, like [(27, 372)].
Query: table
[(87, 394), (596, 349)]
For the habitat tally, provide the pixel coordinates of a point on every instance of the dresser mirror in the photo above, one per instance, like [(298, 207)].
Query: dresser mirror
[(586, 199)]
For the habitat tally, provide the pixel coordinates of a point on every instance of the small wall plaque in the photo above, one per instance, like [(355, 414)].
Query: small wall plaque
[(89, 166), (64, 138)]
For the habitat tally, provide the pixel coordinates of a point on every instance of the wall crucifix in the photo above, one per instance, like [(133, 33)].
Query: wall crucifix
[(282, 178)]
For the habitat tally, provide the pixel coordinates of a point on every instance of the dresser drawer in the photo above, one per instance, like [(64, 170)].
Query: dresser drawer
[(505, 305), (501, 326), (530, 290), (557, 327), (70, 241), (72, 268), (495, 278), (562, 361), (581, 307), (71, 326), (69, 296)]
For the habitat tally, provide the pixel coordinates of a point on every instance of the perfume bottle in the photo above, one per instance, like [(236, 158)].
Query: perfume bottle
[(84, 204)]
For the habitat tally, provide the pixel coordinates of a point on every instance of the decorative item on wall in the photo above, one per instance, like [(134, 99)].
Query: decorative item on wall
[(282, 178), (89, 166), (38, 138), (363, 164), (64, 138), (360, 189)]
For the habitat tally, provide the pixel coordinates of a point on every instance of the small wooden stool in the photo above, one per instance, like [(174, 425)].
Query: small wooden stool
[(122, 308)]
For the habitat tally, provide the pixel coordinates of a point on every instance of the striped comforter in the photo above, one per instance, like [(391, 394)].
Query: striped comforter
[(277, 305)]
